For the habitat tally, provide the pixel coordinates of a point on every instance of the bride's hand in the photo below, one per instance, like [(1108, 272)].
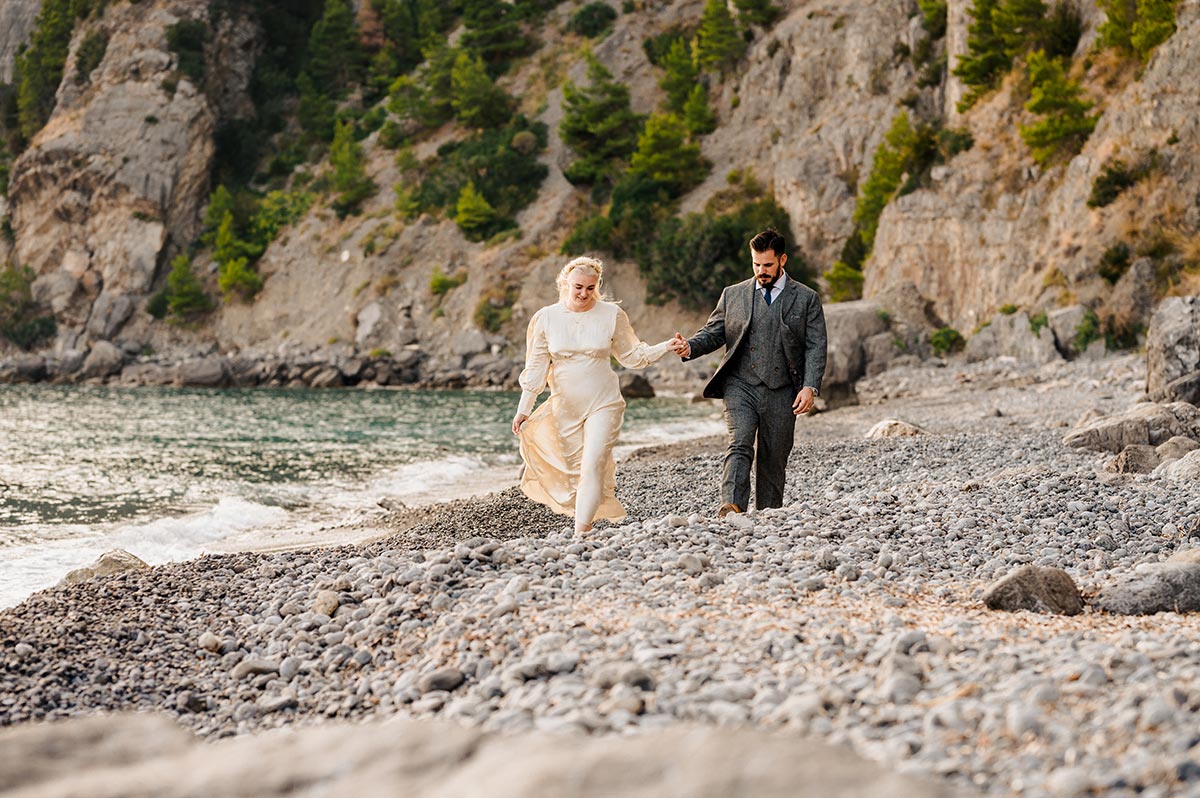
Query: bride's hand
[(518, 420)]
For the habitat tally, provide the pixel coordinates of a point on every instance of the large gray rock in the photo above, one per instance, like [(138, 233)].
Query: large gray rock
[(104, 359), (1012, 336), (1185, 469), (144, 755), (1172, 344), (1063, 322), (109, 312), (1135, 459), (23, 368), (1035, 588), (848, 325), (111, 562), (205, 372), (635, 386), (1155, 587), (1145, 423)]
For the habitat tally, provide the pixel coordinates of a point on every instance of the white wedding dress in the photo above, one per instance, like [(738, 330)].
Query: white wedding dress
[(567, 442)]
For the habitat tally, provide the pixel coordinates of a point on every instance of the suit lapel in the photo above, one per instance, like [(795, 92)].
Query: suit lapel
[(790, 292)]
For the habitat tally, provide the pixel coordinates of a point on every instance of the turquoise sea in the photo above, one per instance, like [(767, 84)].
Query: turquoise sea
[(168, 474)]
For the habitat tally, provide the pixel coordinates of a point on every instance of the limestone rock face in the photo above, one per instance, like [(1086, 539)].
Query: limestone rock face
[(995, 228), (1012, 336), (1173, 347), (149, 755), (119, 172), (16, 23)]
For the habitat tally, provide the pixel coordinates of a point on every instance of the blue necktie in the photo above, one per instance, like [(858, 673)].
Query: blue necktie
[(767, 293)]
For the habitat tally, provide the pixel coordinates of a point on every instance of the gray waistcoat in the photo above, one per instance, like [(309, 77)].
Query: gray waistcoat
[(761, 359)]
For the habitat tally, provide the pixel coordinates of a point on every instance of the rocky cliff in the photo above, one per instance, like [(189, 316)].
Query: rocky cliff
[(117, 181), (16, 22)]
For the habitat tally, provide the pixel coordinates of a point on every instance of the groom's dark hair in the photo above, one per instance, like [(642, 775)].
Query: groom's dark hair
[(768, 239)]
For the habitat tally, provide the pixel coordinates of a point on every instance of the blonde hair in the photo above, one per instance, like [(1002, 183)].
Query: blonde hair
[(593, 266)]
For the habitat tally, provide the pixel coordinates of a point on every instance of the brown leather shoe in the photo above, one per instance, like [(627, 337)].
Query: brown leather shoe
[(727, 508)]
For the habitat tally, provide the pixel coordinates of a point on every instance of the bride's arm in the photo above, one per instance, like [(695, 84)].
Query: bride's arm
[(537, 364), (629, 350)]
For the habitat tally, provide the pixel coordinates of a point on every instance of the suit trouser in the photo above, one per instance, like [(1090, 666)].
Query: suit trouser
[(756, 411)]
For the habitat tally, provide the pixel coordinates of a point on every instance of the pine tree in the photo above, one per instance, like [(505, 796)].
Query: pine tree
[(757, 12), (679, 75), (335, 57), (1066, 124), (237, 277), (185, 296), (986, 60), (317, 109), (718, 43), (1020, 24), (41, 65), (1155, 24), (933, 17), (887, 172), (349, 173), (697, 115), (1117, 28), (493, 31), (664, 156), (474, 215), (598, 125), (477, 101)]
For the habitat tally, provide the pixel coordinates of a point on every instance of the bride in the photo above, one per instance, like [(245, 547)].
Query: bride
[(566, 444)]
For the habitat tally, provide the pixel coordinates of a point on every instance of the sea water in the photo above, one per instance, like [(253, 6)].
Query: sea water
[(168, 474)]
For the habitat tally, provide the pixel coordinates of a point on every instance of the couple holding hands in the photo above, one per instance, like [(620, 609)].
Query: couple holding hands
[(773, 331)]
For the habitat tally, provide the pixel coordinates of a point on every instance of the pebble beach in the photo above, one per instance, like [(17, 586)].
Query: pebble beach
[(853, 614)]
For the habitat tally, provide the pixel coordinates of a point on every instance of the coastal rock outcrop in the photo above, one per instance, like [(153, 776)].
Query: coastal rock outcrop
[(119, 173), (1173, 351), (416, 758), (110, 563), (1146, 423)]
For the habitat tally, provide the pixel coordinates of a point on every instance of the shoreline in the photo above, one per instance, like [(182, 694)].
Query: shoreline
[(853, 615)]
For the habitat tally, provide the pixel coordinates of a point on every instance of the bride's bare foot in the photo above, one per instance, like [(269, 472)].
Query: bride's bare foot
[(583, 530)]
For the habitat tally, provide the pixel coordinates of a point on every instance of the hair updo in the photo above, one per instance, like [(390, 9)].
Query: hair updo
[(593, 266)]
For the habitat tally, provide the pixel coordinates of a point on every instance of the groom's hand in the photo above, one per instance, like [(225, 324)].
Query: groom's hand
[(804, 402), (680, 346)]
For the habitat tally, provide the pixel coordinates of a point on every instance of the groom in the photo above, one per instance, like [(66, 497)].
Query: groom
[(773, 331)]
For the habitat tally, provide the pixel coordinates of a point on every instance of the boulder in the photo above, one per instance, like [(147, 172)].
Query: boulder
[(103, 359), (144, 754), (204, 372), (893, 428), (1183, 389), (23, 368), (635, 386), (1172, 344), (1035, 588), (1012, 336), (848, 325), (111, 562), (1135, 459), (1176, 447), (1185, 469), (148, 374), (1145, 423), (109, 312), (1062, 323), (1154, 587)]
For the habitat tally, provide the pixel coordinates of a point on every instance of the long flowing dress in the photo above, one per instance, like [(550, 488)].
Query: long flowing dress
[(571, 352)]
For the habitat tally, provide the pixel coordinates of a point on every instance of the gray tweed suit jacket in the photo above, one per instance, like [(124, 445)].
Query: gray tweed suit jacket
[(802, 338)]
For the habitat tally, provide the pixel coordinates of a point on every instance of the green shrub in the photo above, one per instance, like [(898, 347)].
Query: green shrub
[(757, 12), (590, 234), (475, 216), (1114, 262), (40, 66), (1065, 123), (718, 45), (1137, 27), (237, 278), (946, 341), (592, 20), (441, 283), (493, 31), (680, 75), (495, 307), (986, 60), (933, 17), (156, 305), (1008, 309), (20, 318), (184, 295), (90, 54), (349, 173), (657, 47), (1086, 331), (845, 282), (665, 155), (476, 99), (1038, 321), (186, 38), (1114, 177)]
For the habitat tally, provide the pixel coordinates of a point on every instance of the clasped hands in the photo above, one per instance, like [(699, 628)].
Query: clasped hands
[(679, 345)]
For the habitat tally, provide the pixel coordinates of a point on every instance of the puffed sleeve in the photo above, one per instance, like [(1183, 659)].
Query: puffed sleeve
[(628, 350), (537, 363)]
